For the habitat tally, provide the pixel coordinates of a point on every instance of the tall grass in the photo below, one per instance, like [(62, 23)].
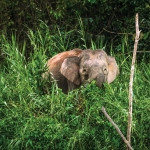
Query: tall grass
[(33, 119)]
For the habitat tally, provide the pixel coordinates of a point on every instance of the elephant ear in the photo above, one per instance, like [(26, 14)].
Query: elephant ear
[(113, 69), (70, 69)]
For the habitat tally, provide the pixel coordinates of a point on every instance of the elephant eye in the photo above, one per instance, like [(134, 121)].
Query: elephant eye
[(84, 70), (105, 70)]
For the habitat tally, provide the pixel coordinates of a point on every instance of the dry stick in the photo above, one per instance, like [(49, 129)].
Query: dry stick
[(117, 128), (131, 80), (116, 32), (128, 141)]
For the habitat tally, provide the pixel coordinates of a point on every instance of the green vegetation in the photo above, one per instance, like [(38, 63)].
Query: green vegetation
[(35, 116), (100, 18)]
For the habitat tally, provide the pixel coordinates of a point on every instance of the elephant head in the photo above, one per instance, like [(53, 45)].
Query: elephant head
[(76, 67)]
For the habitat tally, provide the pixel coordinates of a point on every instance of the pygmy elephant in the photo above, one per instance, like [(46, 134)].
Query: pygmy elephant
[(75, 67)]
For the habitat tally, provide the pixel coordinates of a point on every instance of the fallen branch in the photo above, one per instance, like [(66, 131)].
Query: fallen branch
[(137, 37), (117, 128)]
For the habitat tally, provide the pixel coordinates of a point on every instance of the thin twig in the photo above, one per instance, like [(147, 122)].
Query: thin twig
[(143, 51), (131, 79), (116, 32), (117, 128)]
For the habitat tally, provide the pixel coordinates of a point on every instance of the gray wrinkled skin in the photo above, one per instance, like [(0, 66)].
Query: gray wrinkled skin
[(73, 68)]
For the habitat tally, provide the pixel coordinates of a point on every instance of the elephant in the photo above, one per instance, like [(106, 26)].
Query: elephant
[(71, 69)]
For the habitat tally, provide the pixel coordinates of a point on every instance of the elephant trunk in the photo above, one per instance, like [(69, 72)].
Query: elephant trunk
[(100, 80)]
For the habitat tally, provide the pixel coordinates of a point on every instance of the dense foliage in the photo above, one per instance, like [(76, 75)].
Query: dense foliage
[(101, 18), (36, 115)]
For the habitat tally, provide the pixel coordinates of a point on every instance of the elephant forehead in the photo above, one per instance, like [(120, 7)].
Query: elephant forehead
[(93, 64), (94, 60), (93, 55)]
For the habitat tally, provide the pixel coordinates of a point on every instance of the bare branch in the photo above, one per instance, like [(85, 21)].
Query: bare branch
[(117, 128), (116, 32), (143, 51), (137, 37)]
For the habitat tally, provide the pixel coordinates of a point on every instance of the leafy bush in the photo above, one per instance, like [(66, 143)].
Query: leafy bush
[(105, 18), (33, 119)]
